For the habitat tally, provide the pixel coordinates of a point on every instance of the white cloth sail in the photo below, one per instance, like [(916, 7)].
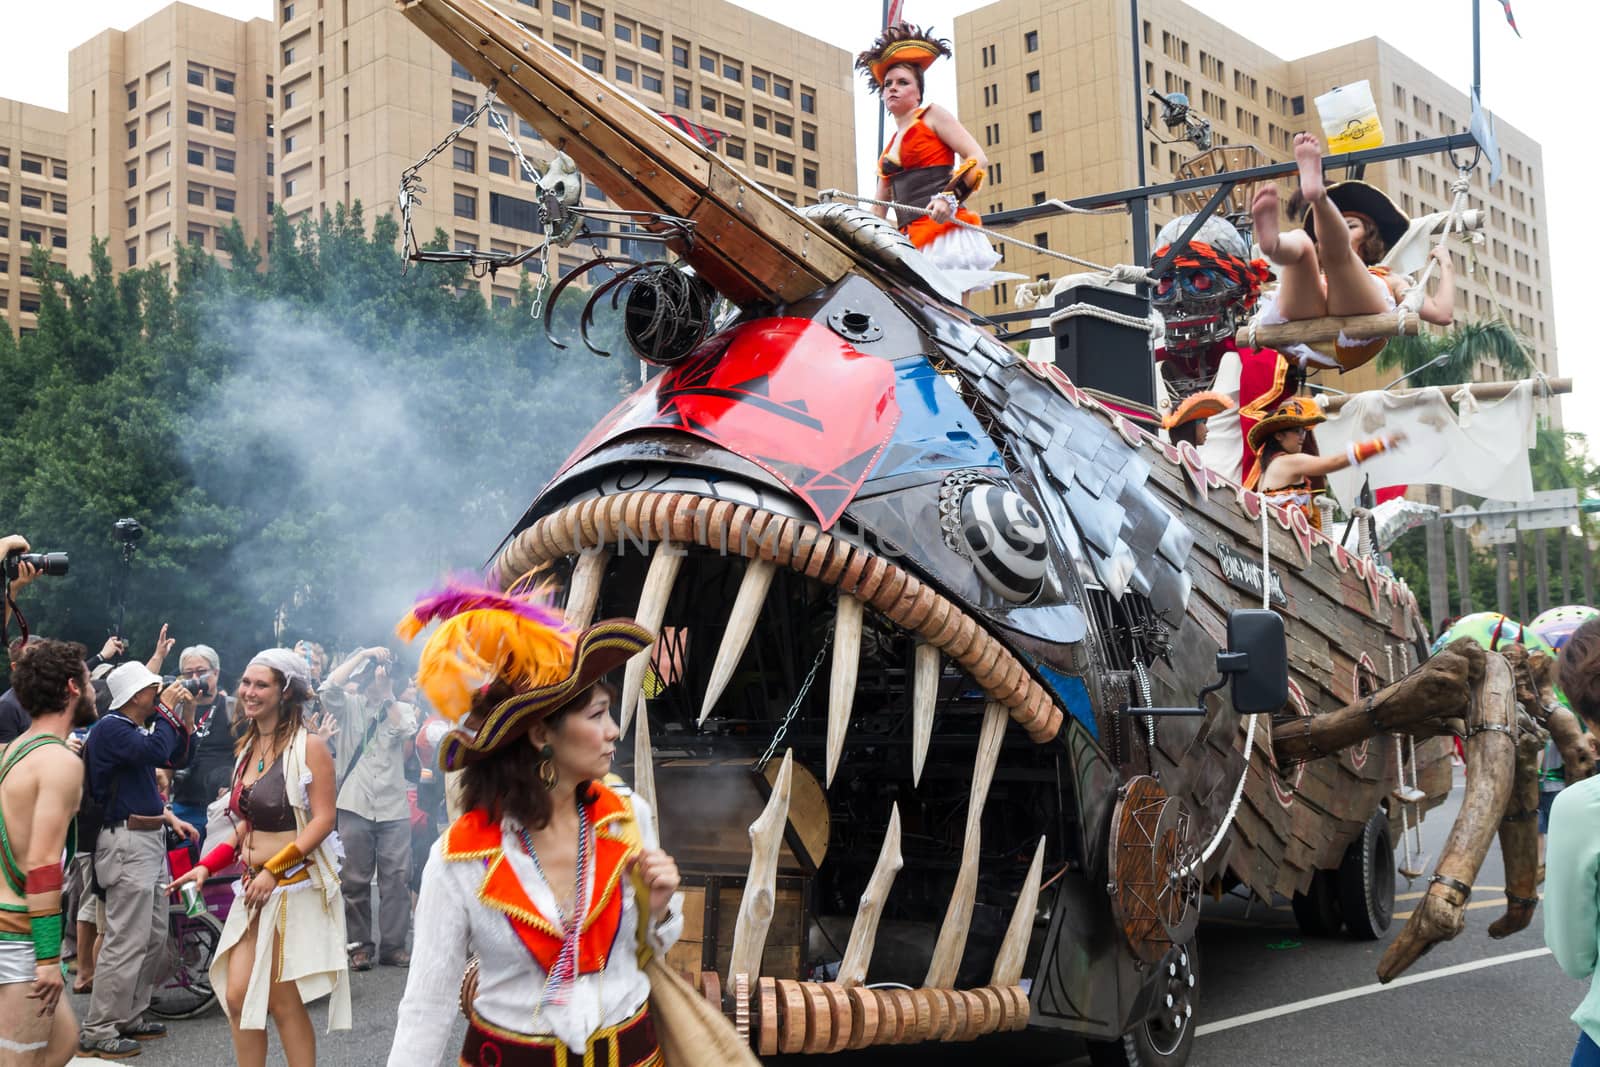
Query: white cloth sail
[(1483, 450)]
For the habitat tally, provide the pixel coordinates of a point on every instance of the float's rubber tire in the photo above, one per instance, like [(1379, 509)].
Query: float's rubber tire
[(1366, 880), (1318, 910), (1151, 1044)]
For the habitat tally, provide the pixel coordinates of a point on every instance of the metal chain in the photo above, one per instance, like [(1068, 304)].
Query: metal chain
[(542, 259), (794, 708), (410, 178)]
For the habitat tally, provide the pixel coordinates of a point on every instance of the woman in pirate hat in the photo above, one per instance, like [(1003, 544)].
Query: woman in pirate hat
[(1287, 463), (932, 161), (1188, 420), (537, 877), (1339, 275)]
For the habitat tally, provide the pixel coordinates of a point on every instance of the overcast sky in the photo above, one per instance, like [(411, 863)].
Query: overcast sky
[(1533, 83)]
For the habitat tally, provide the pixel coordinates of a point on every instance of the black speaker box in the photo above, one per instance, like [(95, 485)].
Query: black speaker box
[(1108, 357)]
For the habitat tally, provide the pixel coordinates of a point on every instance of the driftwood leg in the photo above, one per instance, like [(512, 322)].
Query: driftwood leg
[(1491, 756), (1519, 837)]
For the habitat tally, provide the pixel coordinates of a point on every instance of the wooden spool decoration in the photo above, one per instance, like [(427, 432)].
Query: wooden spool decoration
[(819, 1018), (891, 1027), (711, 989), (1021, 1008), (791, 1016), (933, 1003), (959, 1013), (864, 1017), (839, 1008), (741, 1006), (997, 1012), (977, 1014), (1154, 902), (767, 1016)]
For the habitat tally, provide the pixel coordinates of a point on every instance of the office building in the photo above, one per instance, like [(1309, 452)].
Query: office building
[(33, 204)]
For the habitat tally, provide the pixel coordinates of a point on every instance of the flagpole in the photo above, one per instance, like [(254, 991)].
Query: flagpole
[(882, 22), (1477, 55)]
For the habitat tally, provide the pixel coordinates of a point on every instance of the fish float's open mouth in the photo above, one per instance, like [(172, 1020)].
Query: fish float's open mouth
[(590, 534)]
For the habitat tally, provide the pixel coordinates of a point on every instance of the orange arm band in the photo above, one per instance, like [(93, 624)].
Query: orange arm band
[(287, 857), (1361, 451)]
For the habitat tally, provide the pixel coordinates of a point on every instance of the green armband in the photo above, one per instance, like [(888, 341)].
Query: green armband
[(46, 931)]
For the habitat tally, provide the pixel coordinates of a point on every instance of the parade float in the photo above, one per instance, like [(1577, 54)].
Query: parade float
[(969, 688)]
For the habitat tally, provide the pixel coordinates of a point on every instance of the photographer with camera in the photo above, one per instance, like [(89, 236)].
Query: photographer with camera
[(210, 769), (139, 734), (374, 809), (19, 566)]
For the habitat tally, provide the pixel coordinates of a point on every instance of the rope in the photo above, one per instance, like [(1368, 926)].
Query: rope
[(1121, 272), (1093, 311)]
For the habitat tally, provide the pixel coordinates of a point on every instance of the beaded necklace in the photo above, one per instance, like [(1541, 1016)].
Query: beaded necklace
[(565, 970)]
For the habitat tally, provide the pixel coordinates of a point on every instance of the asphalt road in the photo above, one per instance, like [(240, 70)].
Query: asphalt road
[(1269, 997)]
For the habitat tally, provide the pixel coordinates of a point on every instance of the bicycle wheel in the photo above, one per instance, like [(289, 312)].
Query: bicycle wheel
[(186, 990)]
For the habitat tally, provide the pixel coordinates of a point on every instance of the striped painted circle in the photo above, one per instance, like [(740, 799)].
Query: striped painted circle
[(1284, 786), (1006, 540), (1360, 688)]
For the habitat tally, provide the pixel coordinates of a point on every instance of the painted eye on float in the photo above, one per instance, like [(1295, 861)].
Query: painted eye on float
[(1201, 282), (1164, 286)]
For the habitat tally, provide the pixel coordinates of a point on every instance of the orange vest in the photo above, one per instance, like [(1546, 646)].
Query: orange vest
[(475, 837)]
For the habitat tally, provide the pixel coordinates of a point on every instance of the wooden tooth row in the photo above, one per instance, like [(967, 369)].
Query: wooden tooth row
[(821, 1017)]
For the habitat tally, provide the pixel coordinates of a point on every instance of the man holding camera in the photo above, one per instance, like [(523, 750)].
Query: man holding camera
[(40, 783), (210, 768), (139, 734), (374, 813)]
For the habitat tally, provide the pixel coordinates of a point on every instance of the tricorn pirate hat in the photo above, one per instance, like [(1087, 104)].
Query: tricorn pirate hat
[(900, 43), (1296, 412)]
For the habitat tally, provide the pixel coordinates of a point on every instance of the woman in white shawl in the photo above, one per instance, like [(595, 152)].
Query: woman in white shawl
[(284, 942)]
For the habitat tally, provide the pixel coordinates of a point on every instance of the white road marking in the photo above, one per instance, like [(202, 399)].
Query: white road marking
[(1365, 991)]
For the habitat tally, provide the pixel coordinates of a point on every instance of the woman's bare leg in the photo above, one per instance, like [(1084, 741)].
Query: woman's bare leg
[(1351, 289), (249, 1046), (294, 1025), (1300, 294)]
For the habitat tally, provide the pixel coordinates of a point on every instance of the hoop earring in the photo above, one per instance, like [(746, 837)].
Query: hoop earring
[(547, 768)]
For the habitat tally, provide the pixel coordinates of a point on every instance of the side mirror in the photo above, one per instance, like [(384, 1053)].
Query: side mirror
[(1257, 660)]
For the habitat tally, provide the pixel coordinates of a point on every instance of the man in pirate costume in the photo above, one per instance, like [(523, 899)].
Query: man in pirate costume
[(542, 880), (1287, 465), (40, 782), (932, 161)]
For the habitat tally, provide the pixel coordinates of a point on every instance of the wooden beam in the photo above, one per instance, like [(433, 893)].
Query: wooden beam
[(1313, 331), (663, 571), (760, 887), (952, 942), (1014, 946), (864, 934), (1479, 391)]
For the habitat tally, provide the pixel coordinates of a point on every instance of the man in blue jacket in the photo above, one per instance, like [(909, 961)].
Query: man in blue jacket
[(138, 735)]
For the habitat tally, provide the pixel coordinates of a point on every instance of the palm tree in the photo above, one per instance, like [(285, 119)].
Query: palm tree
[(1464, 348)]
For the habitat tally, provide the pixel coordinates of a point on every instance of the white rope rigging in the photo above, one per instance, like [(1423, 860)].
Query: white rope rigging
[(1093, 311), (1121, 272)]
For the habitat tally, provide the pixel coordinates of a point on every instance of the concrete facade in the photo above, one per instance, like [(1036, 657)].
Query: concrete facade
[(33, 203), (1047, 88)]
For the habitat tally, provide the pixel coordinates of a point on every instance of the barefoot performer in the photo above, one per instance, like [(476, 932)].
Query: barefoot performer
[(537, 879), (41, 780), (931, 161), (1338, 275)]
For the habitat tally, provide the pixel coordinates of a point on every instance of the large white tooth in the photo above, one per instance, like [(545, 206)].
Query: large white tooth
[(664, 566), (864, 934), (842, 679), (952, 941), (583, 594), (644, 770), (1014, 947), (759, 902), (741, 624), (924, 691)]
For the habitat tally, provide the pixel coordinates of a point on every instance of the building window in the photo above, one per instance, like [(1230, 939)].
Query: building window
[(224, 162), (1036, 122), (288, 144), (465, 159), (1033, 81), (733, 111), (763, 158), (289, 185), (594, 62), (133, 136), (32, 199), (197, 117), (499, 164), (31, 235), (650, 80), (783, 127), (808, 138), (223, 83), (525, 129), (680, 56), (288, 99), (196, 157), (133, 176), (1297, 105), (224, 201), (622, 30), (197, 77), (809, 176), (808, 102), (994, 174), (288, 12), (459, 110), (680, 95), (733, 148), (224, 123), (590, 19), (288, 55), (33, 166), (58, 238), (758, 82), (1030, 41), (29, 302), (58, 203), (708, 62), (561, 10), (732, 71), (708, 102), (786, 166), (197, 195), (759, 119), (133, 214), (466, 205), (133, 99), (458, 71), (782, 89), (624, 73), (197, 237), (650, 41)]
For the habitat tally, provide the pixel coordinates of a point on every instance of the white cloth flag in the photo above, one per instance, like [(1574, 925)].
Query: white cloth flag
[(1483, 452)]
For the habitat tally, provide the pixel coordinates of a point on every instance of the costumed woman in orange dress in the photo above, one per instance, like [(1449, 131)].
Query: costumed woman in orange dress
[(537, 878), (1288, 466), (931, 161), (1338, 275)]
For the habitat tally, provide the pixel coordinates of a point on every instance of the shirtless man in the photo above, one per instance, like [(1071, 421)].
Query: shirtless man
[(40, 783)]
